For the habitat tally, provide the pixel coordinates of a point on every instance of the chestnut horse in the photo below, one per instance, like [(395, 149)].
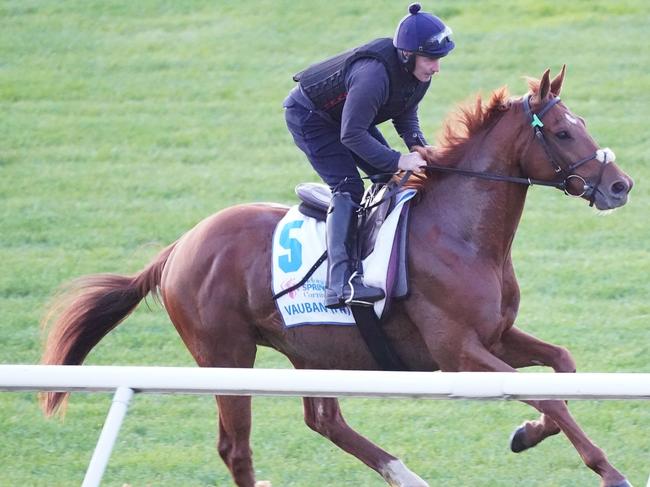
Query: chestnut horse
[(215, 282)]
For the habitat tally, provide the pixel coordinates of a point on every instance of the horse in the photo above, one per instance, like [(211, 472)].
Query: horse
[(214, 282)]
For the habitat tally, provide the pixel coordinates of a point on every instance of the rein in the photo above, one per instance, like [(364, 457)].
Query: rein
[(497, 177)]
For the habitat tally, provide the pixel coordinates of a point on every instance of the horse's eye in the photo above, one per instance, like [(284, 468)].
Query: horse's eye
[(563, 135)]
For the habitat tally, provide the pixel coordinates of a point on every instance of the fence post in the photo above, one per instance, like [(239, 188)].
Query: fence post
[(107, 437)]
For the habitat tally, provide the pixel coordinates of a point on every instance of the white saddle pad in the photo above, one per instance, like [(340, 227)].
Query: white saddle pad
[(298, 242)]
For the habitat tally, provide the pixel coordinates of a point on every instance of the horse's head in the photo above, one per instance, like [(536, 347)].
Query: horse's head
[(563, 150)]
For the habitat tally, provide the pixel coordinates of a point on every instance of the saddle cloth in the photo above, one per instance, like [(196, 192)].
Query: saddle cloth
[(298, 242)]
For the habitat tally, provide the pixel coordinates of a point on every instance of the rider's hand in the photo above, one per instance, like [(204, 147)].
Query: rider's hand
[(428, 152), (411, 162)]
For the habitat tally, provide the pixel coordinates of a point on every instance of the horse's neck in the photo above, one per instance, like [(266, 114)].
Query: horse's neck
[(483, 214)]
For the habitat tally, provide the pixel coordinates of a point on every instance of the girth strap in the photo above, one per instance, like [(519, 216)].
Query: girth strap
[(373, 334)]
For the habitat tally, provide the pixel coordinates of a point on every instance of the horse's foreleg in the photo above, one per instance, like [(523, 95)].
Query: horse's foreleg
[(519, 349), (471, 355), (323, 415)]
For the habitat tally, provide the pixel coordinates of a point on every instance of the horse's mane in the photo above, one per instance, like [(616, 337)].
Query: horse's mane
[(462, 125)]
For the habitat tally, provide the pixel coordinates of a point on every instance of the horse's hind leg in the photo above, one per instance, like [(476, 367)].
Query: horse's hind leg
[(226, 342), (519, 349), (323, 415), (234, 438)]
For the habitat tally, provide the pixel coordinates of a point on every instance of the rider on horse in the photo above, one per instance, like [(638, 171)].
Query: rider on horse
[(332, 114)]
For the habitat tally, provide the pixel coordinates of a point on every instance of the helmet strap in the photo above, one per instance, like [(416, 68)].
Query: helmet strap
[(407, 59)]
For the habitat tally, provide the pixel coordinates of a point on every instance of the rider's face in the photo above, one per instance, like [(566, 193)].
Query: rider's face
[(425, 67)]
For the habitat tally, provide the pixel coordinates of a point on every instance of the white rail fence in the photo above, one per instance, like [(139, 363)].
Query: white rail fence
[(126, 381)]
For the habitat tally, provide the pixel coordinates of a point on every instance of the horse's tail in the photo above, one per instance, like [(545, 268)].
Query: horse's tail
[(87, 310)]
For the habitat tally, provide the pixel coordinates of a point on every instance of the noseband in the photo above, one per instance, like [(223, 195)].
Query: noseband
[(567, 173)]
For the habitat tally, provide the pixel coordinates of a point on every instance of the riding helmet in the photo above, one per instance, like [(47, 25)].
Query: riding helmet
[(423, 34)]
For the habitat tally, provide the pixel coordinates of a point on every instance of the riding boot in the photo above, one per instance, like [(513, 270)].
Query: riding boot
[(356, 292), (342, 285)]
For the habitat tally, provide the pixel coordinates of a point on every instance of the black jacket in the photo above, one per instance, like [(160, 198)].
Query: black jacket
[(324, 82)]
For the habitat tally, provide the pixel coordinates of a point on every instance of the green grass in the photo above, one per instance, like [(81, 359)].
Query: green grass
[(125, 123)]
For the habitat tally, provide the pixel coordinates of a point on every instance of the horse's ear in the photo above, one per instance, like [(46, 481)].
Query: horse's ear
[(544, 86), (556, 84)]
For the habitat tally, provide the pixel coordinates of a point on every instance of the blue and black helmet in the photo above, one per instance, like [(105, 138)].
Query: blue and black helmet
[(423, 34)]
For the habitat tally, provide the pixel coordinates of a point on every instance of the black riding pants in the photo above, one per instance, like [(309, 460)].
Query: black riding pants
[(319, 137)]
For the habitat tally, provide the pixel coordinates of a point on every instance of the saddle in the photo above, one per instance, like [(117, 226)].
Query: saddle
[(315, 200)]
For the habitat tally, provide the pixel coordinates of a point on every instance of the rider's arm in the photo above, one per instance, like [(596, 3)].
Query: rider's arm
[(407, 126), (367, 84)]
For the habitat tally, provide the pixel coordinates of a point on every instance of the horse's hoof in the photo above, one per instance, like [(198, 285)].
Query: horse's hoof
[(517, 443), (263, 483)]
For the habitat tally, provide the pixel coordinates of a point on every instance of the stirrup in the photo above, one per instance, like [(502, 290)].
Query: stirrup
[(334, 301), (362, 295)]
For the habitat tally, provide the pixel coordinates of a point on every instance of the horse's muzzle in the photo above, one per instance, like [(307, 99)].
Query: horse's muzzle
[(613, 194)]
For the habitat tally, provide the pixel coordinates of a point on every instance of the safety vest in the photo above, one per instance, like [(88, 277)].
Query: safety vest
[(324, 82)]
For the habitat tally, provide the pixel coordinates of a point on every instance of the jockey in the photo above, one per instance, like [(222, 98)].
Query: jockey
[(332, 114)]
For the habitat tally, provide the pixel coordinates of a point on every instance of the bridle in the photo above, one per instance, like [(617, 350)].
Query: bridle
[(589, 190), (567, 173)]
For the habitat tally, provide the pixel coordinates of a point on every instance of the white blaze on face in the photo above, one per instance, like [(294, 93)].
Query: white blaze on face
[(571, 119)]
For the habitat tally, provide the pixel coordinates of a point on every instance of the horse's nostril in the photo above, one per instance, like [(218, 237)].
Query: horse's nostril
[(618, 187)]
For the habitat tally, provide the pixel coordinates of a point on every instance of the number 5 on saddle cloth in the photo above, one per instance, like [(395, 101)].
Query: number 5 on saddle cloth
[(299, 247)]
